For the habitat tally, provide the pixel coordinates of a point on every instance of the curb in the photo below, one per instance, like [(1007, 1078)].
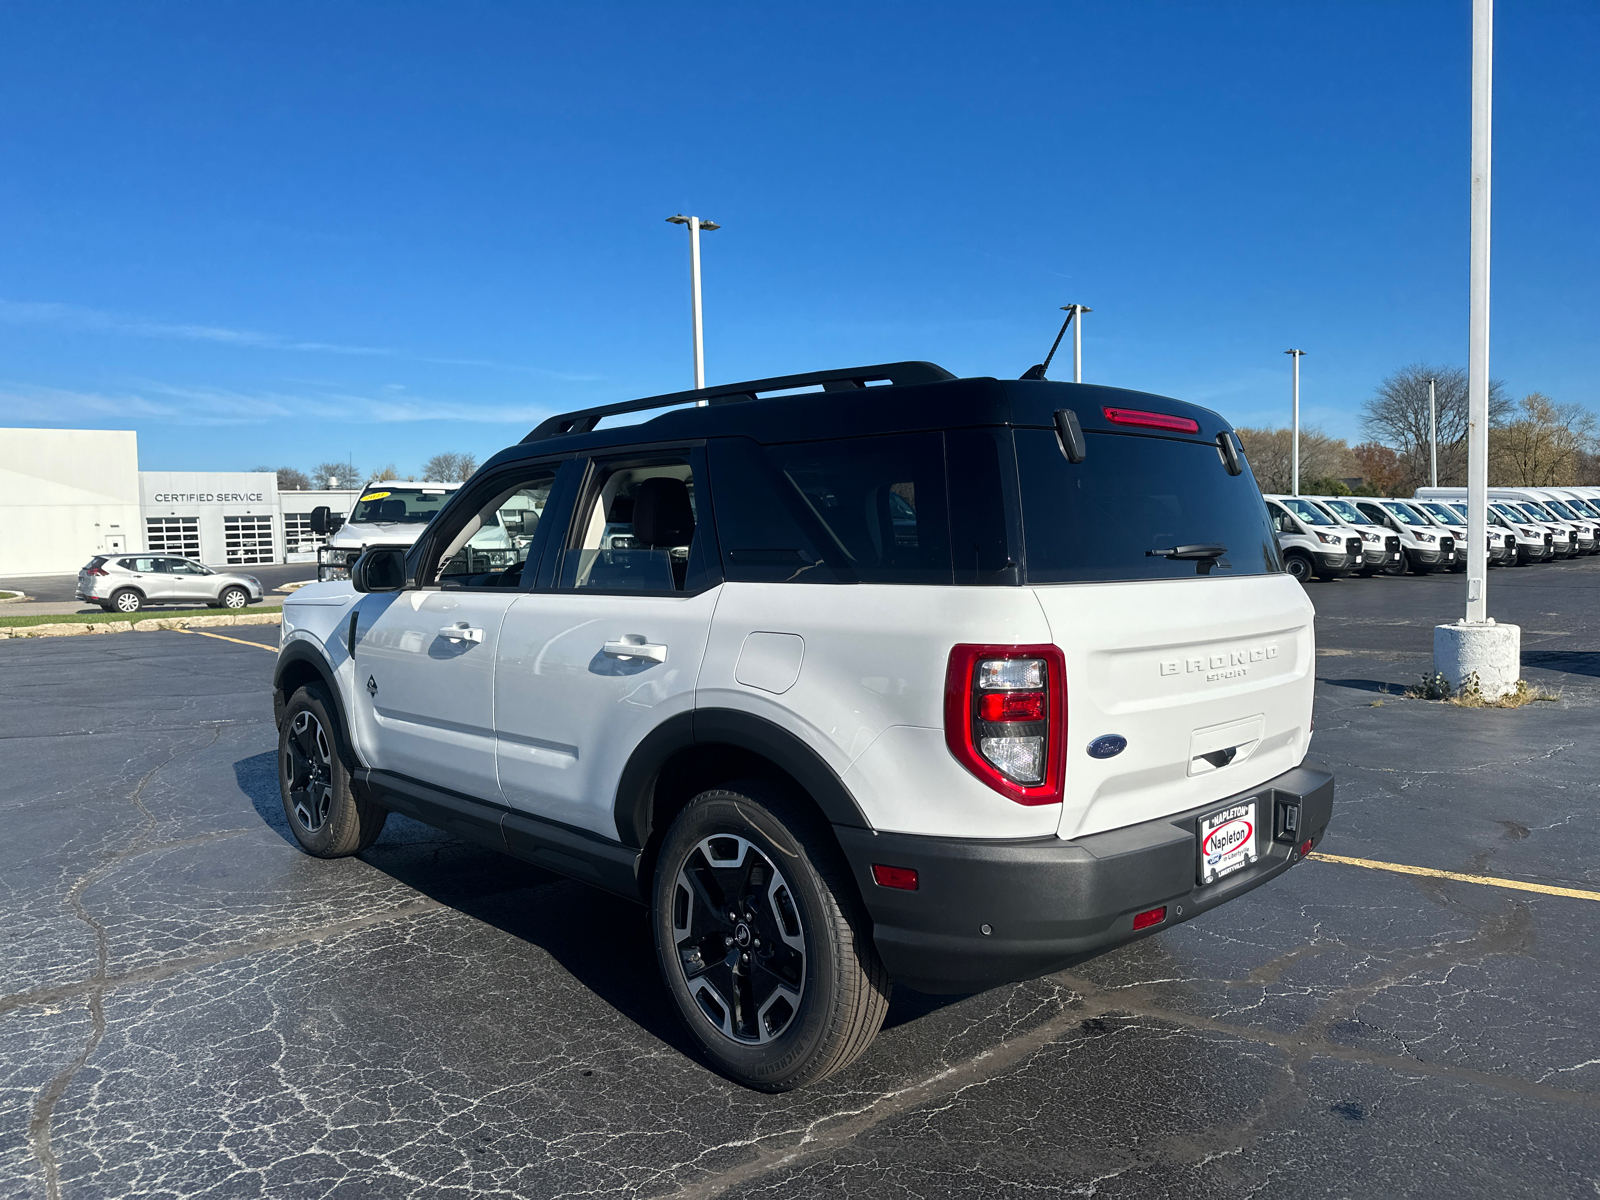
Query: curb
[(19, 598), (150, 625)]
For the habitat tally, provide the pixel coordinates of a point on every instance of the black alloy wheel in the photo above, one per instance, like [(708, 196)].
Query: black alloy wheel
[(761, 937), (326, 815)]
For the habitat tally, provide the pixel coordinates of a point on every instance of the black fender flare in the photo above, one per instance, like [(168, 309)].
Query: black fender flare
[(301, 652), (727, 727)]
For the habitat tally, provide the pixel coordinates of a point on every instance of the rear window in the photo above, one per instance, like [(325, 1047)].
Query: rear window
[(97, 561), (1096, 520)]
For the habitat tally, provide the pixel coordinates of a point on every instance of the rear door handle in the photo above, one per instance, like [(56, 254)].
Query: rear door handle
[(461, 633), (634, 646)]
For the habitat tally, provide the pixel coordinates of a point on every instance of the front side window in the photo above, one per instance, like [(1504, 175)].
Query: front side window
[(1281, 521), (1307, 512), (398, 506), (182, 566), (492, 547), (635, 530)]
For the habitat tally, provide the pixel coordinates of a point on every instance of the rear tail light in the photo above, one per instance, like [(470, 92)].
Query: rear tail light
[(1151, 420), (1005, 718), (95, 571)]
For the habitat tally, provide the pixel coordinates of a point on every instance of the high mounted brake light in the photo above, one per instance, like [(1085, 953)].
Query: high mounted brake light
[(1151, 420), (1005, 718)]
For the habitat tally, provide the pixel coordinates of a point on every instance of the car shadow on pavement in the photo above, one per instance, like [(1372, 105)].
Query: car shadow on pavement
[(1360, 685), (602, 941), (1570, 662)]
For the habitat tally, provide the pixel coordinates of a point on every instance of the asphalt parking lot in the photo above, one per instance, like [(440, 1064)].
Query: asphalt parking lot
[(192, 1007)]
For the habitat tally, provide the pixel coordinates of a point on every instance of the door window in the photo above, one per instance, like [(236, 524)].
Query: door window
[(492, 547), (181, 566), (144, 566), (635, 528)]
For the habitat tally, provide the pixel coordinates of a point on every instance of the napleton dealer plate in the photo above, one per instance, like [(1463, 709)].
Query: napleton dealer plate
[(1227, 840)]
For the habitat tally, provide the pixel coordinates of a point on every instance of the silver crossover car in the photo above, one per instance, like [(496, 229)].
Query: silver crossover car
[(126, 583)]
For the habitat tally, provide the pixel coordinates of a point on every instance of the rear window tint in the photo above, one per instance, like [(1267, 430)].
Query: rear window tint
[(1095, 520)]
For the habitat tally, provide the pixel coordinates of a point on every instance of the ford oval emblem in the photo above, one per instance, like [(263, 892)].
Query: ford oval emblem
[(1109, 746)]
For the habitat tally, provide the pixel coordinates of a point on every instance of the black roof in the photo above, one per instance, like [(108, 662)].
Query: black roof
[(852, 402)]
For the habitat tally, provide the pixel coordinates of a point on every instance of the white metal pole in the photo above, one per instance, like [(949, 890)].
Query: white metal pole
[(1478, 323), (1294, 427), (694, 286), (1433, 437), (1077, 343)]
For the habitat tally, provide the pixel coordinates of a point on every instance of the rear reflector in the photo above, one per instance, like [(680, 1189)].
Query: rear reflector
[(904, 878), (1305, 847), (1150, 916), (1151, 420)]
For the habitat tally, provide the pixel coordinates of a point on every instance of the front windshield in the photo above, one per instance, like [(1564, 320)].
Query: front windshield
[(1404, 514), (1346, 512), (1586, 507), (398, 506), (1560, 509), (1509, 514), (1532, 512), (1306, 511), (1441, 512), (1460, 511)]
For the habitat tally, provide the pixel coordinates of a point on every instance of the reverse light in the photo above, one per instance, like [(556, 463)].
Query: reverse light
[(1005, 718), (904, 878), (1150, 916), (1151, 420)]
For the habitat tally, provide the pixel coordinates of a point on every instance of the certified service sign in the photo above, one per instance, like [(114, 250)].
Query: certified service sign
[(1227, 841)]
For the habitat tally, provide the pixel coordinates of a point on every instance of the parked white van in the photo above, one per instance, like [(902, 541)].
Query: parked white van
[(1313, 543), (1381, 547), (1568, 537), (1426, 548), (1502, 543)]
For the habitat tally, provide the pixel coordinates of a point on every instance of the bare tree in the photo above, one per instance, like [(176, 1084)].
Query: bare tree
[(1397, 416), (1268, 451), (449, 467), (386, 473), (1544, 445), (345, 472)]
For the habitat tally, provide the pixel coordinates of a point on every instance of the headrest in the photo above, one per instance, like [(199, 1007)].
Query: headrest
[(392, 510), (621, 510), (661, 512)]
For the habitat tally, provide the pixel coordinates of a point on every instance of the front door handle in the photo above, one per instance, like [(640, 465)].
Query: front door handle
[(634, 646), (461, 633)]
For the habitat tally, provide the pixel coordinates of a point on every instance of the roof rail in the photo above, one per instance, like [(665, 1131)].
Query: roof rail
[(586, 419)]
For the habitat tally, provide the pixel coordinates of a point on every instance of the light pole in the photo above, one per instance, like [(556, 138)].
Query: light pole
[(1433, 437), (1294, 442), (695, 225), (1077, 310)]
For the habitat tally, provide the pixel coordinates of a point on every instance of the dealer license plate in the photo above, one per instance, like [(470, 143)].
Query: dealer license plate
[(1227, 840)]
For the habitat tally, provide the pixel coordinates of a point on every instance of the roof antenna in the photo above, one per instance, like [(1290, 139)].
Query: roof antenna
[(1038, 369)]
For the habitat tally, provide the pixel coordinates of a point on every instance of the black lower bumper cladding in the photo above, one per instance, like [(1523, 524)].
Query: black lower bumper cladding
[(995, 911)]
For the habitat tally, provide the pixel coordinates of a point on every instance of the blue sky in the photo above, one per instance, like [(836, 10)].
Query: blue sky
[(283, 233)]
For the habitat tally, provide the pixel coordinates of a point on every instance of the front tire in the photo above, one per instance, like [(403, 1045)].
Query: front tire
[(234, 597), (761, 939), (1299, 566), (326, 816)]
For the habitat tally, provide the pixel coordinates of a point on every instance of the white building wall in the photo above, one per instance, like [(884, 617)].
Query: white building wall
[(65, 496)]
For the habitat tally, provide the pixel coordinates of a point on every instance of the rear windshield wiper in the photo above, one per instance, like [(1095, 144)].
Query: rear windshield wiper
[(1196, 553)]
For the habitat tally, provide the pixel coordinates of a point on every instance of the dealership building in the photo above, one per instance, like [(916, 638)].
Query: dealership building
[(69, 494)]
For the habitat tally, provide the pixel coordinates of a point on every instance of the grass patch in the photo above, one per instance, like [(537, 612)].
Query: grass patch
[(9, 595), (1470, 695), (100, 618)]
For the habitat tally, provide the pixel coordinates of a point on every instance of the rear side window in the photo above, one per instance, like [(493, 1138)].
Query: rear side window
[(1097, 520), (867, 510)]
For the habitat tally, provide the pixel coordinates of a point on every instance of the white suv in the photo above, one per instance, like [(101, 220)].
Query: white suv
[(946, 681)]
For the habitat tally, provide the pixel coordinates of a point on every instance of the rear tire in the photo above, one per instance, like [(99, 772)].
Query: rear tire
[(126, 600), (326, 816), (788, 989), (1299, 565)]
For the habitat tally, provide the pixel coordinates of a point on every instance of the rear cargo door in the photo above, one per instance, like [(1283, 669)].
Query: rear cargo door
[(1185, 643)]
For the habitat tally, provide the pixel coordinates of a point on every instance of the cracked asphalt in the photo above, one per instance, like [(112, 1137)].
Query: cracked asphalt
[(191, 1007)]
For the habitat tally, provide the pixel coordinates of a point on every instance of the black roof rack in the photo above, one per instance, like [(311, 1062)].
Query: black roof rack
[(728, 393)]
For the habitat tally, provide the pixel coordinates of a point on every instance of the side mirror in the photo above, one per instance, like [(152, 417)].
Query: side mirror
[(319, 520), (380, 569)]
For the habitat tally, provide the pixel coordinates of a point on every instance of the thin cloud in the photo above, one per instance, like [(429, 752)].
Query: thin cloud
[(72, 316)]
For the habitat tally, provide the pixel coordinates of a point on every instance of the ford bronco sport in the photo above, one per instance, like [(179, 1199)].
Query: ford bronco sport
[(951, 682)]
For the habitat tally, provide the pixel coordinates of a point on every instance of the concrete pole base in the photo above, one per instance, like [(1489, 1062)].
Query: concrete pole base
[(1491, 652)]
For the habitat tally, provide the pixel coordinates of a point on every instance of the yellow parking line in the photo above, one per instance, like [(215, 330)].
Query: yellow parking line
[(1432, 873), (242, 642)]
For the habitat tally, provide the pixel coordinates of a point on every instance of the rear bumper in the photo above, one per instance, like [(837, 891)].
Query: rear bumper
[(1048, 903)]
